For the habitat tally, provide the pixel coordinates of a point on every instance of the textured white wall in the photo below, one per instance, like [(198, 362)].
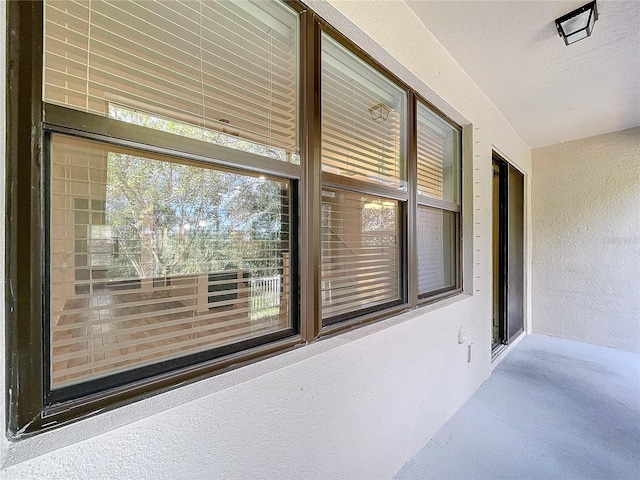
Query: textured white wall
[(357, 405), (586, 240)]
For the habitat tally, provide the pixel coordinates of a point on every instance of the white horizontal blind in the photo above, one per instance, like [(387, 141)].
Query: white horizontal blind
[(353, 143), (230, 67), (436, 249), (438, 178), (153, 259), (430, 162), (437, 156), (360, 252)]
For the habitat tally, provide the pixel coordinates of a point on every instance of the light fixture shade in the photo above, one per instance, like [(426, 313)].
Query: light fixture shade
[(380, 112), (578, 24)]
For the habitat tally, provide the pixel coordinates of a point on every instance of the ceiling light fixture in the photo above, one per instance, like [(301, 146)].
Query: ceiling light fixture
[(578, 24)]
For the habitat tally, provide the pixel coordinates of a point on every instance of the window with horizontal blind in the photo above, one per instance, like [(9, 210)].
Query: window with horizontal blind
[(363, 120), (360, 252), (436, 232), (145, 268), (204, 184), (224, 71), (438, 211), (173, 148)]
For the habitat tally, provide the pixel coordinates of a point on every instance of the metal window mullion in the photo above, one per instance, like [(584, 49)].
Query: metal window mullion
[(24, 221), (311, 188), (86, 125), (412, 208), (439, 204), (340, 182)]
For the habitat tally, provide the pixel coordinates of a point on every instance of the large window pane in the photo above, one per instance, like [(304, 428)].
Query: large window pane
[(363, 120), (228, 68), (153, 258), (437, 249), (360, 252), (438, 157)]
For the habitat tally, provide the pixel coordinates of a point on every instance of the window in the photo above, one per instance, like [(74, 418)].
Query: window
[(360, 246), (217, 71), (197, 185), (363, 159), (156, 261), (438, 213), (191, 272)]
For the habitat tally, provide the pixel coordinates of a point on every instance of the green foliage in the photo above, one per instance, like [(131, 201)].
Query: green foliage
[(379, 223), (173, 219)]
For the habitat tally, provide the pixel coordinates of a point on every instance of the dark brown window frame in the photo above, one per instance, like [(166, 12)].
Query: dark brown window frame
[(28, 120)]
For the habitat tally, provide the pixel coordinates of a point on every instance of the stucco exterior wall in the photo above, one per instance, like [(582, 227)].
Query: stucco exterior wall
[(357, 405), (586, 241)]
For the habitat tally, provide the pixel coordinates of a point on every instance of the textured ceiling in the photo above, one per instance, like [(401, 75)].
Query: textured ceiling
[(549, 92)]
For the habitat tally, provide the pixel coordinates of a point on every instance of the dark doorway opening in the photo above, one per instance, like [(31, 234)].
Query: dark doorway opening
[(508, 254)]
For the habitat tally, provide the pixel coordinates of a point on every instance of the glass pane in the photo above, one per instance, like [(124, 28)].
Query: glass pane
[(360, 252), (579, 35), (437, 249), (576, 23), (438, 157), (363, 120), (153, 259), (223, 72)]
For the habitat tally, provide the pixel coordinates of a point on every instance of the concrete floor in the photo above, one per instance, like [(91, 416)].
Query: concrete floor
[(552, 408)]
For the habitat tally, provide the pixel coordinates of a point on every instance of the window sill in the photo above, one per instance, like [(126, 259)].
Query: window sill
[(94, 425)]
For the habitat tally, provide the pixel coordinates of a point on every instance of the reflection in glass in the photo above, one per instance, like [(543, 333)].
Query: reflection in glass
[(227, 68), (438, 157), (153, 259), (360, 252), (363, 120), (436, 232)]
